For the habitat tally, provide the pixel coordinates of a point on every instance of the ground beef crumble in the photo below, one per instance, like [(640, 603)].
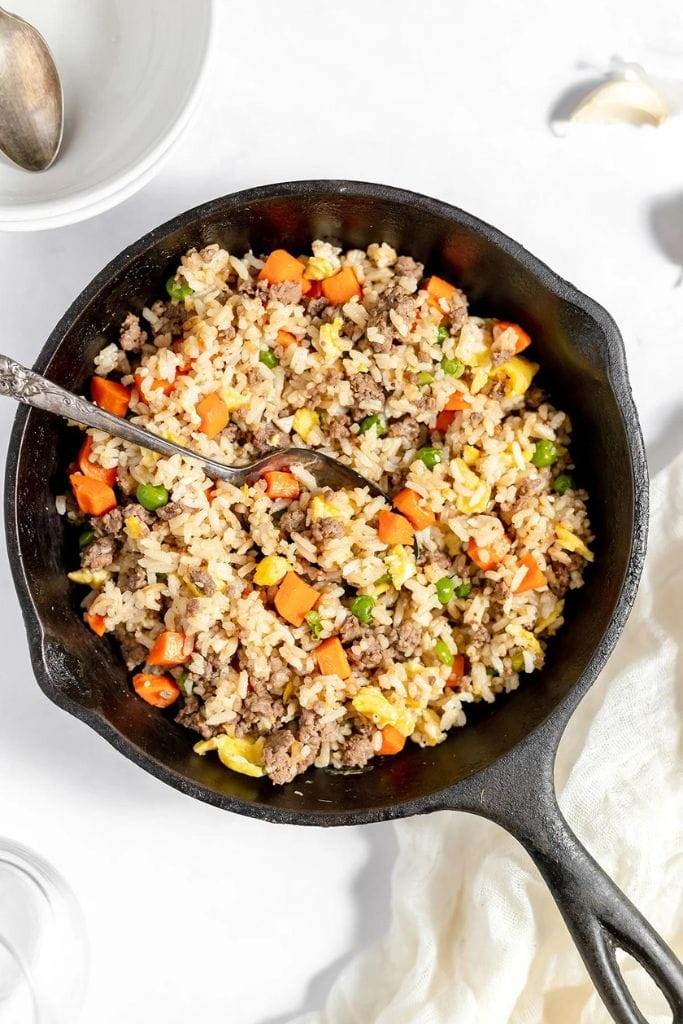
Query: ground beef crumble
[(110, 524), (326, 529), (99, 554), (293, 519), (203, 581), (404, 641), (170, 511), (288, 292), (368, 394), (407, 428)]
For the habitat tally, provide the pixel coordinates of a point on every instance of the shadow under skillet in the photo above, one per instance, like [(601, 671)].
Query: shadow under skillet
[(666, 225), (370, 894)]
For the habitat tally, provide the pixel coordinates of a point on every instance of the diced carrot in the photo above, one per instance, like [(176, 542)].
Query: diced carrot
[(534, 577), (523, 339), (281, 266), (281, 485), (331, 658), (211, 491), (159, 691), (96, 623), (94, 497), (444, 420), (394, 529), (157, 384), (305, 285), (457, 670), (392, 741), (438, 289), (168, 649), (110, 395), (295, 598), (214, 414), (341, 287), (285, 339), (315, 289), (485, 558), (407, 502), (456, 403), (93, 469)]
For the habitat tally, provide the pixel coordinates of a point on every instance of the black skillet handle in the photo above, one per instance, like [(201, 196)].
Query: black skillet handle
[(518, 793)]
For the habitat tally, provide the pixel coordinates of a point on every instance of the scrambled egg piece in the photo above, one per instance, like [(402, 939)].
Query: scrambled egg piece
[(400, 563), (233, 399), (304, 422), (331, 344), (517, 374), (570, 542), (241, 755), (271, 570), (321, 509), (318, 268), (371, 703), (134, 527), (90, 577)]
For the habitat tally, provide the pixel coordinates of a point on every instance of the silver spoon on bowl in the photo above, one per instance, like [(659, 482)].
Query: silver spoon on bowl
[(30, 388), (31, 100)]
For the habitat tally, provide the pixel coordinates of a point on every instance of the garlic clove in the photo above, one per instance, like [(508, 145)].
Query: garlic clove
[(633, 102)]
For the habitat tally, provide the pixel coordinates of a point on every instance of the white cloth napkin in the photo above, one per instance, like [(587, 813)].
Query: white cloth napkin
[(475, 937)]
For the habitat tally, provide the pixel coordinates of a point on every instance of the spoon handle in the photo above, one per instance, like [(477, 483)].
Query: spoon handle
[(30, 388)]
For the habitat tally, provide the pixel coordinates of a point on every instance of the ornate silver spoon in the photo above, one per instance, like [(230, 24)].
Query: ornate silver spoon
[(30, 388)]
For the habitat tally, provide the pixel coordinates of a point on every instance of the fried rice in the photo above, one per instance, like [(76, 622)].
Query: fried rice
[(291, 626)]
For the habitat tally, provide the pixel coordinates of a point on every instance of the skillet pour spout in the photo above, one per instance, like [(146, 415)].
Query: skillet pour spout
[(500, 765)]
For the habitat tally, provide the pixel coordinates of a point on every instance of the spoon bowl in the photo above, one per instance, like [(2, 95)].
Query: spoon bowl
[(31, 100)]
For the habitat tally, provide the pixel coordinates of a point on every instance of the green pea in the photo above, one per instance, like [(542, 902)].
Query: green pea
[(518, 662), (441, 334), (152, 496), (373, 421), (445, 588), (452, 367), (178, 290), (384, 579), (86, 537), (545, 453), (563, 483), (315, 624), (268, 359), (443, 653), (361, 607), (424, 378), (463, 590), (431, 457), (491, 671), (185, 683)]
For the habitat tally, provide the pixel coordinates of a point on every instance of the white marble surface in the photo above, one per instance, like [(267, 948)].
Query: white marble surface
[(190, 910)]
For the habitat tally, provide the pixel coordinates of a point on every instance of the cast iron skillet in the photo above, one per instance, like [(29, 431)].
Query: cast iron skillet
[(501, 765)]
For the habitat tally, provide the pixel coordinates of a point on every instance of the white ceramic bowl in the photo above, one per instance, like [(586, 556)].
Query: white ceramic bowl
[(131, 71)]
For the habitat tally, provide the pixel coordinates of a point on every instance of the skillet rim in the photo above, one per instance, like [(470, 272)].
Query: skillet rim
[(617, 375)]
